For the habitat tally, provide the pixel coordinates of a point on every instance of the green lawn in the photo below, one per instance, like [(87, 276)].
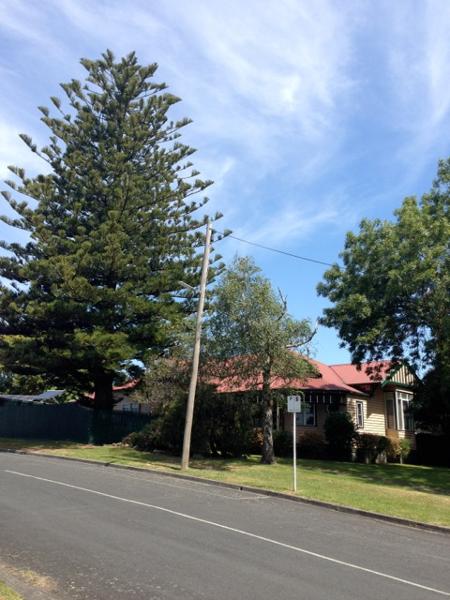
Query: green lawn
[(413, 492), (6, 593)]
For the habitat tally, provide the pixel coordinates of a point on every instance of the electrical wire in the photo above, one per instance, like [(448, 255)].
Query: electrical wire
[(305, 258)]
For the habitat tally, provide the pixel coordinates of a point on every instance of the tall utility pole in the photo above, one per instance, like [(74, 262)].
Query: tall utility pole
[(196, 354)]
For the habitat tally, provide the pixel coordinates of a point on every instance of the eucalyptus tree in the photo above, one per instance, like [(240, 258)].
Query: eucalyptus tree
[(252, 339)]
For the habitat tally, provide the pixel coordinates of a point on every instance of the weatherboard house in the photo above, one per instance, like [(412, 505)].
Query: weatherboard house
[(378, 395)]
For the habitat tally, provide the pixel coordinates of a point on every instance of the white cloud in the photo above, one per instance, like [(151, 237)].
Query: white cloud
[(13, 151), (418, 55), (261, 76), (301, 219), (268, 84)]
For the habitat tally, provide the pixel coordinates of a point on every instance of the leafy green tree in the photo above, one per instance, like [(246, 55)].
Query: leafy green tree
[(392, 295), (432, 402), (111, 232), (11, 383), (251, 338)]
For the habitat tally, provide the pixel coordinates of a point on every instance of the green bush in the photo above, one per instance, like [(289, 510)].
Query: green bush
[(312, 444), (398, 449), (405, 449), (339, 433), (144, 440), (221, 426), (282, 443), (257, 439), (371, 447)]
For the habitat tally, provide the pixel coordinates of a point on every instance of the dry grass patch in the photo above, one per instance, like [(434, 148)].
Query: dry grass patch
[(6, 593)]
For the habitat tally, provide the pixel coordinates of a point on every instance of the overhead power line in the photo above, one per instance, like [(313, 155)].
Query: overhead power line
[(305, 258)]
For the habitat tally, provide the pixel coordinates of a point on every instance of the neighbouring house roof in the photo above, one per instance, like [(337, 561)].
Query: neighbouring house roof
[(129, 385), (327, 381), (369, 373), (44, 398)]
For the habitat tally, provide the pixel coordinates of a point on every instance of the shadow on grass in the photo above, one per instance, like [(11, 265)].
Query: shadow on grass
[(32, 444), (435, 480)]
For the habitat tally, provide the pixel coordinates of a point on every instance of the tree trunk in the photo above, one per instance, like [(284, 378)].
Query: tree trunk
[(103, 391), (268, 455)]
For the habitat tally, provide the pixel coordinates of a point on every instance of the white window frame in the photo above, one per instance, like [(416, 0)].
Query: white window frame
[(359, 414), (402, 398), (300, 417)]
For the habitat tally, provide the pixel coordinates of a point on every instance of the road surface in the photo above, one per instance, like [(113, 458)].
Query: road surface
[(109, 534)]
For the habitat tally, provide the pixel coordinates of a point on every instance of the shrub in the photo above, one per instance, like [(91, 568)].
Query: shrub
[(340, 433), (312, 445), (371, 447), (398, 449), (405, 449), (393, 449), (282, 443), (257, 439), (142, 440), (221, 426)]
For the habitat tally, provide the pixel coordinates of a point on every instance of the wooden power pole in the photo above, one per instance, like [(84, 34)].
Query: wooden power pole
[(196, 354)]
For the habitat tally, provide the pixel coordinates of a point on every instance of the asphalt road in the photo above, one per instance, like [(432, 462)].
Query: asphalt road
[(106, 534)]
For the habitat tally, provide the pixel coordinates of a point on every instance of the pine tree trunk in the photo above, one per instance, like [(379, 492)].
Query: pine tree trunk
[(268, 455), (103, 391)]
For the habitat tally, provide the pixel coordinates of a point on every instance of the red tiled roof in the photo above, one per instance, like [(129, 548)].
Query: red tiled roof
[(328, 380), (378, 371)]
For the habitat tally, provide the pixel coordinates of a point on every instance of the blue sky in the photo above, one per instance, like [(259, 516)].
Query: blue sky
[(309, 116)]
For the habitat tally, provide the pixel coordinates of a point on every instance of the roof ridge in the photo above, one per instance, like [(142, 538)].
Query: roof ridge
[(337, 375)]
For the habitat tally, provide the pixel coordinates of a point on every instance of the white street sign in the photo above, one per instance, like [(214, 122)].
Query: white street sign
[(294, 404)]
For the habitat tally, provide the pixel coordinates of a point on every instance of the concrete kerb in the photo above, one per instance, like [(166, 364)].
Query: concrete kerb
[(251, 489)]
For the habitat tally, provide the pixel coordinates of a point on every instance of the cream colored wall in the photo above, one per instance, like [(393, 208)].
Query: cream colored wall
[(374, 413)]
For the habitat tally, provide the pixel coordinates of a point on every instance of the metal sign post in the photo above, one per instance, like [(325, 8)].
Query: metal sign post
[(294, 407)]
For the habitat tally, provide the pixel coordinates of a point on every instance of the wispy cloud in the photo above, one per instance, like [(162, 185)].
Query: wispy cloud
[(274, 89), (418, 57), (302, 219), (13, 151)]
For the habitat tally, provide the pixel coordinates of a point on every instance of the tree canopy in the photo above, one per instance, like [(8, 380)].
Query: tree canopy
[(252, 338), (391, 297), (112, 230)]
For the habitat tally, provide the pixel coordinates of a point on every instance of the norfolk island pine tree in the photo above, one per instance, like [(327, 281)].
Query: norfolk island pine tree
[(111, 232)]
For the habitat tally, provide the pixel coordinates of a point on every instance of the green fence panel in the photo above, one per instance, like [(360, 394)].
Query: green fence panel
[(70, 422)]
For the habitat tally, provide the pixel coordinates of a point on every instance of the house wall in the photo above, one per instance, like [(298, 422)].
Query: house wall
[(374, 412), (125, 404), (375, 420), (403, 376), (321, 415)]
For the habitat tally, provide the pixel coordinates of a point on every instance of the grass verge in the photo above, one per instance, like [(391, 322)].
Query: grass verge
[(407, 491), (6, 593)]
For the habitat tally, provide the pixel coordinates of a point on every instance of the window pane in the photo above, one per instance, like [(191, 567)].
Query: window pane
[(308, 415), (407, 416), (360, 415), (389, 398)]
